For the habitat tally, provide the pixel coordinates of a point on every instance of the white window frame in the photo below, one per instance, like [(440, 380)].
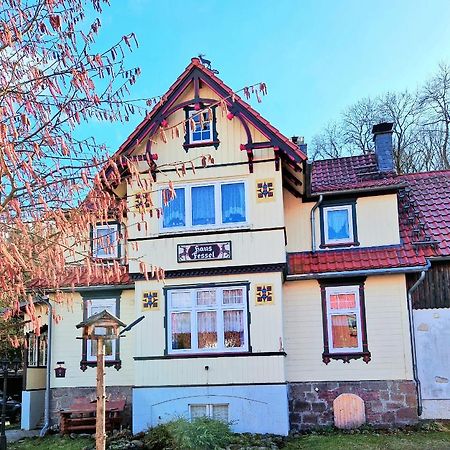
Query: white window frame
[(209, 409), (333, 290), (217, 207), (110, 304), (351, 238), (95, 241), (219, 307), (191, 132)]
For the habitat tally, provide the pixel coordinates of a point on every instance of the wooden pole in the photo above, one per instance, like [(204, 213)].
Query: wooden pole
[(100, 429)]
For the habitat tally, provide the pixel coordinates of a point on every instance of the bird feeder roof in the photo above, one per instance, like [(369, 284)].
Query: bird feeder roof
[(102, 316)]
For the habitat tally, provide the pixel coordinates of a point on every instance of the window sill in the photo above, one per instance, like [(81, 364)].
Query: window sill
[(208, 355), (205, 229), (346, 357), (339, 245), (214, 144), (116, 363)]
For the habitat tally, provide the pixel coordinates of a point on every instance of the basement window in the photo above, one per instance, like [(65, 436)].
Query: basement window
[(212, 410)]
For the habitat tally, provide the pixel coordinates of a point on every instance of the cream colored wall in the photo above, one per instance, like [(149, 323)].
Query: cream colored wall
[(35, 378), (387, 333), (265, 334), (65, 346), (376, 216)]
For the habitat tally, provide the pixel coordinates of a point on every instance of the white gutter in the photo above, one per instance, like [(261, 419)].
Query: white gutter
[(356, 273), (46, 426)]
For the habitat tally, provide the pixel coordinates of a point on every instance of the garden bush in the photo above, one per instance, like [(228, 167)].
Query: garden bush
[(201, 433)]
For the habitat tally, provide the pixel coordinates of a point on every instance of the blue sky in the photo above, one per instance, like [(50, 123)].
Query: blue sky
[(316, 56)]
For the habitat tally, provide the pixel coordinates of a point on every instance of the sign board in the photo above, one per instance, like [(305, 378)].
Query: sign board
[(207, 251)]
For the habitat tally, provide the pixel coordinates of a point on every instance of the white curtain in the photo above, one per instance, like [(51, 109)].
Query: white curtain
[(338, 226), (233, 203), (207, 329), (174, 211), (233, 324), (203, 210)]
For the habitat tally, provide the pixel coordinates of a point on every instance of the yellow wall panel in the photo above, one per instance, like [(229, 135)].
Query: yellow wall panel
[(387, 333)]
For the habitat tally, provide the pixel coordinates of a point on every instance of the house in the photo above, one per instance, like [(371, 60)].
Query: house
[(286, 282)]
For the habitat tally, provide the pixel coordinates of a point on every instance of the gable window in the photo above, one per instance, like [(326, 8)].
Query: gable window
[(89, 355), (105, 241), (214, 411), (338, 225), (201, 128), (345, 335), (213, 205), (206, 320)]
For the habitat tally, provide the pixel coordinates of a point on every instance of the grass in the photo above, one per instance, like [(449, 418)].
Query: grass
[(365, 440), (372, 440), (54, 442)]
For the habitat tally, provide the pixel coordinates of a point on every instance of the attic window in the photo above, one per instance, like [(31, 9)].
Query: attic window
[(338, 224), (201, 127)]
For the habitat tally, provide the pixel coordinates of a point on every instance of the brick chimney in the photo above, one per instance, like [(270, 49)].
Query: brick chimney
[(382, 136)]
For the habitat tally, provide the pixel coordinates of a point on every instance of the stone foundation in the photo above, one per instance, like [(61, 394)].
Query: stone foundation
[(62, 398), (387, 403)]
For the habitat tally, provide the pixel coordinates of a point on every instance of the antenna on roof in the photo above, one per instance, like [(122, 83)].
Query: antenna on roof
[(207, 63)]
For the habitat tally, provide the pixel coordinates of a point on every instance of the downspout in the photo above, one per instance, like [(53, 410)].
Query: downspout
[(46, 426), (412, 337), (313, 223)]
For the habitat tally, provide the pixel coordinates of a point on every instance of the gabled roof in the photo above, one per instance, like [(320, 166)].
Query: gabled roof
[(349, 173), (196, 70), (102, 315)]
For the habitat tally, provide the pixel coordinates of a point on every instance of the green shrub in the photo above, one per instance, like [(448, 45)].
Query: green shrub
[(201, 433), (159, 438)]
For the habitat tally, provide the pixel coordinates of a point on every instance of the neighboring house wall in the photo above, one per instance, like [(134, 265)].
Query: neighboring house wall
[(314, 385), (376, 218), (431, 303)]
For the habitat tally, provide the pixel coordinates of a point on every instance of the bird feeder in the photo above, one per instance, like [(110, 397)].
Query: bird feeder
[(102, 325)]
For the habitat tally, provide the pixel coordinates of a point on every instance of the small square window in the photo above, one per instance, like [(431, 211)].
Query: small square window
[(105, 241), (338, 225), (200, 126)]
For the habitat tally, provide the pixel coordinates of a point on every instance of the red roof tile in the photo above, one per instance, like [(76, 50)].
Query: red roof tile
[(326, 261), (352, 172), (74, 277)]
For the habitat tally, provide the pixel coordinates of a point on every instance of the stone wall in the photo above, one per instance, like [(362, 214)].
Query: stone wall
[(387, 403), (62, 398)]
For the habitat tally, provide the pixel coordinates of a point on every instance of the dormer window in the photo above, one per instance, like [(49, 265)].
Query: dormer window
[(338, 224), (105, 241), (201, 128)]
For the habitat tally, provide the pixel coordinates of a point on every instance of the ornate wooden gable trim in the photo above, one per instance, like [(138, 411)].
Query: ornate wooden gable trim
[(284, 149)]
